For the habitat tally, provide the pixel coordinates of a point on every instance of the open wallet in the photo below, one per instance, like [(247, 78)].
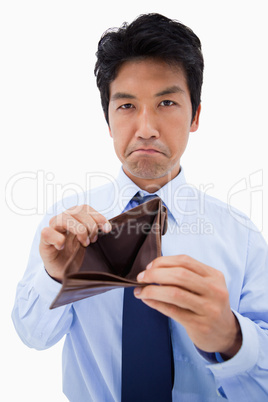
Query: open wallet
[(117, 257)]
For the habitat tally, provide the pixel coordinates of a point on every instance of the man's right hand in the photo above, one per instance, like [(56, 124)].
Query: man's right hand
[(59, 240)]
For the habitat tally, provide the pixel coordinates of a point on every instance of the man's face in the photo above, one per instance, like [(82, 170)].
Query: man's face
[(150, 115)]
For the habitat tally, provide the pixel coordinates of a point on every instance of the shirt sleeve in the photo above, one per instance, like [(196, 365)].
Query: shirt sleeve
[(246, 374), (37, 325)]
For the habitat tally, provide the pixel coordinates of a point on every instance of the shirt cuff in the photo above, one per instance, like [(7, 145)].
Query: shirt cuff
[(46, 286), (247, 355)]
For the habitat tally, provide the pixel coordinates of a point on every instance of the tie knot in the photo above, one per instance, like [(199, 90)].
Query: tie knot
[(140, 198)]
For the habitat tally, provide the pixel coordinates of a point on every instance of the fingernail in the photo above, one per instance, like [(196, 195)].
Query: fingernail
[(95, 238), (87, 242), (137, 291), (59, 247), (149, 265), (107, 227), (140, 276)]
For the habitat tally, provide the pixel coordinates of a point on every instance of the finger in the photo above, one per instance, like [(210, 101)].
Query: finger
[(180, 277), (184, 261), (91, 226), (66, 223), (172, 295), (51, 237), (183, 316), (93, 220)]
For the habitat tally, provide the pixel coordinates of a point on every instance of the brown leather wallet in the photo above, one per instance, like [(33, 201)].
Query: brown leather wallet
[(116, 258)]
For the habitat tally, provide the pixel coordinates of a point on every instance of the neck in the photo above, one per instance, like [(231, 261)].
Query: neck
[(152, 185)]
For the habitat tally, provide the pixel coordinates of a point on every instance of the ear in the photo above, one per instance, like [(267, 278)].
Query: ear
[(110, 132), (195, 122)]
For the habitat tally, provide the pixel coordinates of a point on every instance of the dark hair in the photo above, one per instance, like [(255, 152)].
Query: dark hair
[(150, 36)]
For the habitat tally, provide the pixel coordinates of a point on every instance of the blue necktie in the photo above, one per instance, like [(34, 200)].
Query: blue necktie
[(147, 359)]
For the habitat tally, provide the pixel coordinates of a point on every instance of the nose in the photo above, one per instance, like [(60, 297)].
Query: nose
[(146, 125)]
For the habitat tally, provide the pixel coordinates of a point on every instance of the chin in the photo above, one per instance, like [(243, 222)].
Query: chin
[(148, 171)]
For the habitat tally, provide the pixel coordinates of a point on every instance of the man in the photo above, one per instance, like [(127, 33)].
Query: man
[(213, 285)]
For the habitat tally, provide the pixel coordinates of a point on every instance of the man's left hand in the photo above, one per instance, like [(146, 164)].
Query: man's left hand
[(196, 296)]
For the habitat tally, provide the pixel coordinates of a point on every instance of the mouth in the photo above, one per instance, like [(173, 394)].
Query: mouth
[(146, 151)]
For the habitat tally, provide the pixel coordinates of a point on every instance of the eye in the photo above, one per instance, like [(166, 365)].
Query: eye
[(167, 103), (126, 106)]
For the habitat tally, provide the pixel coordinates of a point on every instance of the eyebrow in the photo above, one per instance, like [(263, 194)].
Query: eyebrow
[(122, 95), (170, 90)]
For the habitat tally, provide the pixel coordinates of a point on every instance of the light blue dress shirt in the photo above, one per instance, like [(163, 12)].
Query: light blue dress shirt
[(199, 226)]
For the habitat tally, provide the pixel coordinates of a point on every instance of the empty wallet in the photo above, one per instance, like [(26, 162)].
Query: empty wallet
[(117, 257)]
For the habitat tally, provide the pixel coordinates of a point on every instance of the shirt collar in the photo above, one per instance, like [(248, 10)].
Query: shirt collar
[(173, 194)]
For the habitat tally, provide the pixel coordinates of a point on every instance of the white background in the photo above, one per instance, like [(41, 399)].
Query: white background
[(52, 123)]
